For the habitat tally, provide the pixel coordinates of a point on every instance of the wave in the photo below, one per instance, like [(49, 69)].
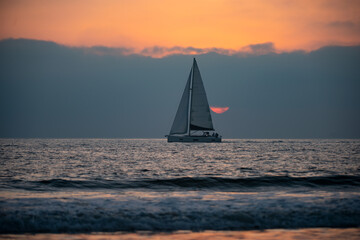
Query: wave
[(171, 211), (188, 183)]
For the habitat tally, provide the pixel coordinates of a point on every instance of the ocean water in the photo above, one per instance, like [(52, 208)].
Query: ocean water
[(130, 185)]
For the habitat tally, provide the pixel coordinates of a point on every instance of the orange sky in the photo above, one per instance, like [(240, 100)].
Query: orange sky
[(229, 24)]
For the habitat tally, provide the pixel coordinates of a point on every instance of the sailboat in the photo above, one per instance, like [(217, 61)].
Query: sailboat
[(193, 121)]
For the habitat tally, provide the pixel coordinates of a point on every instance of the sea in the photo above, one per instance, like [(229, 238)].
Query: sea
[(152, 189)]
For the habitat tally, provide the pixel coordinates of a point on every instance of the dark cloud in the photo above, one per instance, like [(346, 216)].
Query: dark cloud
[(49, 90)]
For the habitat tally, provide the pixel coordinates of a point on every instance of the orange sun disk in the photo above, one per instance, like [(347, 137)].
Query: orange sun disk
[(219, 110)]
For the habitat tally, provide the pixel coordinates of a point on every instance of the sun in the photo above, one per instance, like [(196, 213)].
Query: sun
[(219, 110)]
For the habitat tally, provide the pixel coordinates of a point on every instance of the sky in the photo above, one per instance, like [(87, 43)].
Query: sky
[(117, 68), (206, 24)]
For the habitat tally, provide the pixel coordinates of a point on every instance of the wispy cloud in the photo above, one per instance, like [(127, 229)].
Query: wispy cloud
[(342, 24), (347, 26), (177, 50), (159, 52), (109, 51), (258, 49)]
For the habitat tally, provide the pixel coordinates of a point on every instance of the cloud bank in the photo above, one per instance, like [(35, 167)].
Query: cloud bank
[(49, 90)]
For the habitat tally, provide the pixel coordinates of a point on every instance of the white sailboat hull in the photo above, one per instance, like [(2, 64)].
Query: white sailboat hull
[(186, 138)]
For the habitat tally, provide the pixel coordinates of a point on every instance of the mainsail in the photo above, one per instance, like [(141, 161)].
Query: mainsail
[(193, 106), (200, 117)]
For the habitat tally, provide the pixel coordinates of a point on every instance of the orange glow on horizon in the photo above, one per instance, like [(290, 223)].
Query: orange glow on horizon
[(266, 234), (219, 110), (224, 24)]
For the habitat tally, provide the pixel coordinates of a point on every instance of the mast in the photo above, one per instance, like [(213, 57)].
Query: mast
[(190, 95)]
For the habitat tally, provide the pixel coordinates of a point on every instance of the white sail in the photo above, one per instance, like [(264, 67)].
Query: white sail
[(180, 124), (200, 117)]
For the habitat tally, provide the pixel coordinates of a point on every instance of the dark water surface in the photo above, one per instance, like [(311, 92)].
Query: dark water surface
[(109, 185)]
